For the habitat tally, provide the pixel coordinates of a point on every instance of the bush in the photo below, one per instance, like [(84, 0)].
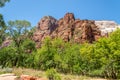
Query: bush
[(7, 57), (101, 59), (52, 74)]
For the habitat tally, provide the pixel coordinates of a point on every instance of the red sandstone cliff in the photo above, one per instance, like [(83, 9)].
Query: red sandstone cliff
[(68, 28)]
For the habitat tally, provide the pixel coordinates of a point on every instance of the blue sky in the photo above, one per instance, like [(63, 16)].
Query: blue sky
[(34, 10)]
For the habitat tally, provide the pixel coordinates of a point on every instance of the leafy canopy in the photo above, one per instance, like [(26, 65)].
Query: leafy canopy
[(2, 2)]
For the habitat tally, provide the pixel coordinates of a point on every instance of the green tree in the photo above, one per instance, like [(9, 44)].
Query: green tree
[(2, 29), (2, 2), (7, 56), (18, 31), (44, 56), (2, 23)]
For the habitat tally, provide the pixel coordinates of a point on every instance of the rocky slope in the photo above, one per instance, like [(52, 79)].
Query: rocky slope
[(106, 26), (70, 29)]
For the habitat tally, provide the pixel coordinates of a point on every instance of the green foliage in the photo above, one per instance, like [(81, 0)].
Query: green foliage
[(101, 59), (10, 58), (2, 2), (18, 32), (59, 55), (98, 59), (18, 53), (2, 29), (2, 23), (7, 56), (28, 45), (52, 74)]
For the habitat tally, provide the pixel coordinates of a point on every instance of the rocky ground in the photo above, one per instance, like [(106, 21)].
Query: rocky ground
[(31, 74), (11, 76), (27, 77), (8, 77)]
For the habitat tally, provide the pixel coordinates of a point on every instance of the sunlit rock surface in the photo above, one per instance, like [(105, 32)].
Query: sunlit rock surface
[(106, 26)]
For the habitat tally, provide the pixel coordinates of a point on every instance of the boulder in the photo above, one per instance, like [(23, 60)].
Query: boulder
[(27, 77)]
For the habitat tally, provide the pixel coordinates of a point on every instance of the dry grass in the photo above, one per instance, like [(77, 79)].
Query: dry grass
[(78, 77), (31, 72), (37, 73)]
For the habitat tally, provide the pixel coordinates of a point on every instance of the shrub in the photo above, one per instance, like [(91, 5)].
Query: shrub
[(52, 74)]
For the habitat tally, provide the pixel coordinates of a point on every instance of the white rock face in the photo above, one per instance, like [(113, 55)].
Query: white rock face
[(107, 26)]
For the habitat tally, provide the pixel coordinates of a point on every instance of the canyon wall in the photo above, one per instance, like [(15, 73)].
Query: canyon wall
[(72, 30)]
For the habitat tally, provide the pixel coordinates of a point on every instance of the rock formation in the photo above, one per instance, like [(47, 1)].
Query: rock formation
[(45, 27), (68, 28), (106, 26), (6, 43)]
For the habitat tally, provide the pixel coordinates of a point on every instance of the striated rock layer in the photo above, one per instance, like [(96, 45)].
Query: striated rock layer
[(68, 28)]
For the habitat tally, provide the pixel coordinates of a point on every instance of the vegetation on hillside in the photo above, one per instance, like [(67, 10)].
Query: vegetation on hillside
[(102, 58)]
